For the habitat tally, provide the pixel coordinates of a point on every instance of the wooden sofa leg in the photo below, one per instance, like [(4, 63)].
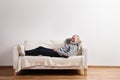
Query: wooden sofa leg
[(85, 72), (14, 73)]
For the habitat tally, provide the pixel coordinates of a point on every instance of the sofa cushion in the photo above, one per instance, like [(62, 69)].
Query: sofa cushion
[(44, 43), (30, 61), (34, 44), (57, 43)]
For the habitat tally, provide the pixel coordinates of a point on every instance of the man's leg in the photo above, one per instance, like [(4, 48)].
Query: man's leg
[(48, 52), (33, 52), (42, 51)]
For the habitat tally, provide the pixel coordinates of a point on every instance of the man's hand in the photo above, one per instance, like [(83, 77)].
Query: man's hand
[(54, 49)]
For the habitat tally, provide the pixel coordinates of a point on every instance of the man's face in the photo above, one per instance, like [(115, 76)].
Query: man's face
[(74, 38)]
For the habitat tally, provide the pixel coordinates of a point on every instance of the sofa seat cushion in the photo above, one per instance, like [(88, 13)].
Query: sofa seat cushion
[(31, 61)]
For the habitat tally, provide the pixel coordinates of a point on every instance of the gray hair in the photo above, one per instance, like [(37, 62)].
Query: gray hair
[(77, 37)]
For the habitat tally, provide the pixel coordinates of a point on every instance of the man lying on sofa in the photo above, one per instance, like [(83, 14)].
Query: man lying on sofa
[(69, 49)]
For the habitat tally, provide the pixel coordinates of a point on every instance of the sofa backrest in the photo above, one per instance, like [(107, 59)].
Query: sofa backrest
[(28, 45)]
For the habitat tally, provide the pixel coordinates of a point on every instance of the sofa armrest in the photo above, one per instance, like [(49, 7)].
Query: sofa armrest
[(84, 53), (15, 57)]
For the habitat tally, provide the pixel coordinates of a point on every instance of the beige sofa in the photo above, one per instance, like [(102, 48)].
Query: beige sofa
[(44, 62)]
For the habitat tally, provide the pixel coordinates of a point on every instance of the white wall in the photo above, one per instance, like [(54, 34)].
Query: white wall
[(97, 22)]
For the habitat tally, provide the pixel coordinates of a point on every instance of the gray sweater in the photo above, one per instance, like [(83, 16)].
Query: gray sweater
[(69, 49)]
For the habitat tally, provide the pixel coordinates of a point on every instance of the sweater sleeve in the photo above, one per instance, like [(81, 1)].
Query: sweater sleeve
[(72, 50)]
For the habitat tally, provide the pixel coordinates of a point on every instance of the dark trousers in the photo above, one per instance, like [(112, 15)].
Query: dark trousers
[(41, 51)]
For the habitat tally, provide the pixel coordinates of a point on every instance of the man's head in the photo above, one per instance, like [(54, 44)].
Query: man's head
[(75, 38)]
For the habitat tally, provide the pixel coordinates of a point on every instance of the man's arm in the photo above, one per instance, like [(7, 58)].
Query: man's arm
[(71, 51)]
